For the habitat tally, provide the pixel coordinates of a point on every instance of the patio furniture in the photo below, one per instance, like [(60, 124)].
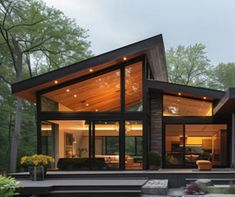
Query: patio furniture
[(204, 165)]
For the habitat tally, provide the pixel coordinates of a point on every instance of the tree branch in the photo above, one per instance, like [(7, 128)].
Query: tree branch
[(25, 24), (5, 80)]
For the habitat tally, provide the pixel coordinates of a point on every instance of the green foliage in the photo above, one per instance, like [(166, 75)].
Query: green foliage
[(222, 76), (188, 65), (47, 39), (8, 186), (154, 159)]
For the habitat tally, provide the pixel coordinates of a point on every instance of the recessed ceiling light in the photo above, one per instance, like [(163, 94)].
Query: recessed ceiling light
[(67, 90), (204, 97), (179, 93), (96, 110), (90, 70), (75, 96), (124, 58), (87, 104), (55, 81)]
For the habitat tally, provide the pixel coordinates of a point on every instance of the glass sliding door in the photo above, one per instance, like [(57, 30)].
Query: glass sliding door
[(133, 145), (206, 142), (174, 145), (106, 144), (185, 144)]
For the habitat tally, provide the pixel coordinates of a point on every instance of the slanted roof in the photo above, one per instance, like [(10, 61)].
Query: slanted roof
[(226, 104), (152, 47), (188, 91)]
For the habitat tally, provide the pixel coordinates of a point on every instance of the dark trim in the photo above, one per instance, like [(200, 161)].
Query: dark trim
[(122, 86), (135, 48), (122, 144), (188, 90), (92, 116)]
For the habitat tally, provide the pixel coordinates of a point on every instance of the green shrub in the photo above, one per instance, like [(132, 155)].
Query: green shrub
[(154, 160), (8, 186), (231, 189)]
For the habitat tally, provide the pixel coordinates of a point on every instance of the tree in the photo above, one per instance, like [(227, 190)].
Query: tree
[(222, 76), (188, 65), (34, 37)]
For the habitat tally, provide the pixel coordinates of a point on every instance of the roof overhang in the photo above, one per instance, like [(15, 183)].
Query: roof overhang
[(226, 105), (184, 90), (152, 47)]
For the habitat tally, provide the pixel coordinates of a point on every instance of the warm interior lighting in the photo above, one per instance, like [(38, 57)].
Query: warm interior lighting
[(96, 110), (90, 70), (67, 90), (87, 104), (55, 81), (204, 97), (179, 93), (124, 58), (75, 96)]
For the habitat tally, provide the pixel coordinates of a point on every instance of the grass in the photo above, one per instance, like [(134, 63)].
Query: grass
[(220, 190)]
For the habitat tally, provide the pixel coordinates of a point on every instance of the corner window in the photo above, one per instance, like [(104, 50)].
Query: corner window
[(180, 106)]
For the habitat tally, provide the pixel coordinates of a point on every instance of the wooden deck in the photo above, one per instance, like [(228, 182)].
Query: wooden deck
[(118, 183)]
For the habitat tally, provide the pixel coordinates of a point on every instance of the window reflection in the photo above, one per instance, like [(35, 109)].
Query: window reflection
[(180, 106), (133, 87)]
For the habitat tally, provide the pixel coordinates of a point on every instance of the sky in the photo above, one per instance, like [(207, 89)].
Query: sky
[(116, 23)]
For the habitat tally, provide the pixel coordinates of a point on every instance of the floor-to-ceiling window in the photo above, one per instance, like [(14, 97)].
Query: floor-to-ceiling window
[(103, 98)]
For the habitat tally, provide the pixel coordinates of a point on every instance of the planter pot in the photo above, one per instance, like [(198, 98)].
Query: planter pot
[(37, 173), (153, 167)]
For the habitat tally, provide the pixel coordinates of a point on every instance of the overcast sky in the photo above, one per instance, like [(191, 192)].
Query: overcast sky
[(116, 23)]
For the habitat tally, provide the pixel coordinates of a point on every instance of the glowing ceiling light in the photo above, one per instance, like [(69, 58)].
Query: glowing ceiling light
[(124, 58), (75, 96), (55, 82), (90, 70), (67, 90), (179, 93)]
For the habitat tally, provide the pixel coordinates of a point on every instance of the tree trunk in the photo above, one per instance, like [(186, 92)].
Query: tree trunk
[(18, 117), (16, 135)]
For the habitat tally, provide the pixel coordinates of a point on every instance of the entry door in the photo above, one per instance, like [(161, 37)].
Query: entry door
[(105, 141)]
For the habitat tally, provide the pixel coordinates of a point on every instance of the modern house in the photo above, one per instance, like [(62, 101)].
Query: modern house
[(119, 106)]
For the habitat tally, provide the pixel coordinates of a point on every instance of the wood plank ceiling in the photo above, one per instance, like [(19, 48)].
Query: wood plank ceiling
[(101, 93)]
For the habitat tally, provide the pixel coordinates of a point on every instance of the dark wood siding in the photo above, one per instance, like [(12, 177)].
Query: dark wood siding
[(156, 122)]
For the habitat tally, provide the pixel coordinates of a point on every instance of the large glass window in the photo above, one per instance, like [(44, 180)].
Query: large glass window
[(107, 143), (186, 144), (133, 145), (174, 144), (101, 93), (180, 106), (133, 87)]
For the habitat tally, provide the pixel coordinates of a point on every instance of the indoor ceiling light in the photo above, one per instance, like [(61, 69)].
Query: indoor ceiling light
[(124, 58), (179, 93), (55, 82), (96, 110), (67, 90), (204, 97), (87, 104), (90, 70), (75, 96)]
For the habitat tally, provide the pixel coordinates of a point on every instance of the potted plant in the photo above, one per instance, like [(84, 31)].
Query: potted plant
[(37, 165), (8, 185), (154, 160)]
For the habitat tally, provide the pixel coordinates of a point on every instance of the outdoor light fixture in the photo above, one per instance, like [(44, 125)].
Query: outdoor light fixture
[(55, 81), (124, 58), (179, 93), (90, 70), (96, 110), (67, 90), (75, 96), (204, 97), (87, 104)]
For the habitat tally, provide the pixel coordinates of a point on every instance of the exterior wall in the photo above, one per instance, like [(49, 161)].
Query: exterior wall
[(156, 122)]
